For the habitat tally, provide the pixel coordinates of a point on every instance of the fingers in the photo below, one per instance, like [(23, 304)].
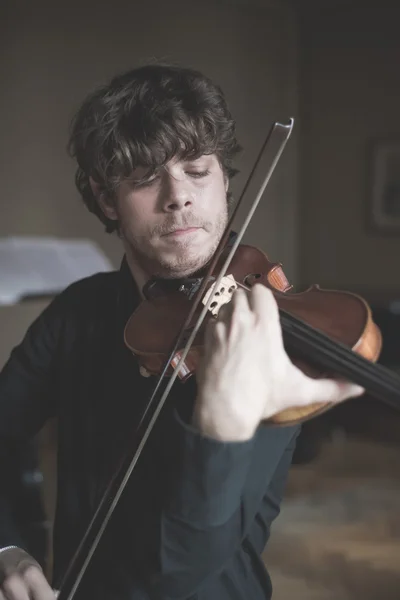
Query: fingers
[(14, 588), (246, 310), (236, 308), (232, 317), (215, 330), (31, 585), (259, 300), (263, 303), (38, 585), (266, 311)]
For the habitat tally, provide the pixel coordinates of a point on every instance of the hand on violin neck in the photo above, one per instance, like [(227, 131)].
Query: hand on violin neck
[(246, 376)]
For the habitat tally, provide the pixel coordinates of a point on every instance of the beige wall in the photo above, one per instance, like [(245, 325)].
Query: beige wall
[(350, 93)]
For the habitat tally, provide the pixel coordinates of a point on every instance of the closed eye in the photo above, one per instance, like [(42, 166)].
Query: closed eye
[(198, 174), (149, 182)]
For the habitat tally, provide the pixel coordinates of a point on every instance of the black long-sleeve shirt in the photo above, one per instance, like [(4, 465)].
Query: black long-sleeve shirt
[(197, 512)]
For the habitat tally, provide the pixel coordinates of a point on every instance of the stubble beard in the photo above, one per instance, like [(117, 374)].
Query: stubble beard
[(182, 264)]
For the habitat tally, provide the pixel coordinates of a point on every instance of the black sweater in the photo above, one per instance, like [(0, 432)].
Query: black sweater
[(196, 514)]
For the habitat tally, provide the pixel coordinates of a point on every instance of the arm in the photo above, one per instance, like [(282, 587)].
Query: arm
[(184, 511), (13, 501), (202, 522), (181, 518), (25, 404), (270, 505), (27, 376)]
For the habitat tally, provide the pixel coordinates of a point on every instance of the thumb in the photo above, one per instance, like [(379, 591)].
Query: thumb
[(333, 390)]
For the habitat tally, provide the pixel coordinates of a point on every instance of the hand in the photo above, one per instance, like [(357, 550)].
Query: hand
[(246, 376), (21, 577)]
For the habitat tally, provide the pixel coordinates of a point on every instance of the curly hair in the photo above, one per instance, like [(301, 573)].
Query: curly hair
[(146, 117)]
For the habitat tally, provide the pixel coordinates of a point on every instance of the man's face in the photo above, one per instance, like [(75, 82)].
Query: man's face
[(172, 223)]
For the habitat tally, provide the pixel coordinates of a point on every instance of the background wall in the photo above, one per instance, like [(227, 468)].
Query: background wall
[(350, 95)]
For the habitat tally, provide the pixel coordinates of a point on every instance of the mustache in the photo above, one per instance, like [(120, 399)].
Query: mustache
[(172, 224)]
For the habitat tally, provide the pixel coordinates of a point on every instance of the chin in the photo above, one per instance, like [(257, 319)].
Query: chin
[(174, 272), (179, 269)]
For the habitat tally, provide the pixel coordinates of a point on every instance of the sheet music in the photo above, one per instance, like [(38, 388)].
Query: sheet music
[(35, 266)]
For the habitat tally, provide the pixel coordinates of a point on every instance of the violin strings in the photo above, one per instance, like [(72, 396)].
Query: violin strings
[(341, 355), (361, 374), (356, 367), (384, 384)]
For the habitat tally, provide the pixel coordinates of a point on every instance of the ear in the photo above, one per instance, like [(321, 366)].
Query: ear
[(105, 205)]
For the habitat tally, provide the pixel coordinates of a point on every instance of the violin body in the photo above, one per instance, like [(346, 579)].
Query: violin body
[(343, 316)]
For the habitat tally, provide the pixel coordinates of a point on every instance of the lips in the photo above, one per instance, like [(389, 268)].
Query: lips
[(181, 231)]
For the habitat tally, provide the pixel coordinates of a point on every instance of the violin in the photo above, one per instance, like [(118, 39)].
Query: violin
[(327, 333), (324, 331)]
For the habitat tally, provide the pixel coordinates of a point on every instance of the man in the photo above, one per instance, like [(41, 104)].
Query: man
[(154, 151)]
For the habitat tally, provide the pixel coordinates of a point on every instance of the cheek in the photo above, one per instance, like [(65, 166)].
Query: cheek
[(217, 197), (133, 214)]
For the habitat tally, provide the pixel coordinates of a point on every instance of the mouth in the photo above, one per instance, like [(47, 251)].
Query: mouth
[(181, 232)]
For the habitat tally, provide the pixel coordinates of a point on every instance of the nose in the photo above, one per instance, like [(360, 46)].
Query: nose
[(175, 194)]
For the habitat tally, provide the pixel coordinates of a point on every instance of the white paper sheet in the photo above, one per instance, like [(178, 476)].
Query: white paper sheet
[(36, 266)]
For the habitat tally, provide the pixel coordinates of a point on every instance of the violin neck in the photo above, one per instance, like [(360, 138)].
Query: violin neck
[(303, 341)]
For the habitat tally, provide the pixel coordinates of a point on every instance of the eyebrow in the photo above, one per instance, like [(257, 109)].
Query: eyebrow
[(207, 157)]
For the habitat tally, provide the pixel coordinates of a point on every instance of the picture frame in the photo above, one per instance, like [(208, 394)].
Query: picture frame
[(385, 185)]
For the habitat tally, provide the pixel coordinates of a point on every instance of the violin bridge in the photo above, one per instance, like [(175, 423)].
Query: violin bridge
[(222, 295)]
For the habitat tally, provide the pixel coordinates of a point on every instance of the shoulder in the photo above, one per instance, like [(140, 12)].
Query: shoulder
[(98, 286), (76, 310), (83, 297)]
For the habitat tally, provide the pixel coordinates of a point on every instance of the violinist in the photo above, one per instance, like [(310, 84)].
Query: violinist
[(154, 151)]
